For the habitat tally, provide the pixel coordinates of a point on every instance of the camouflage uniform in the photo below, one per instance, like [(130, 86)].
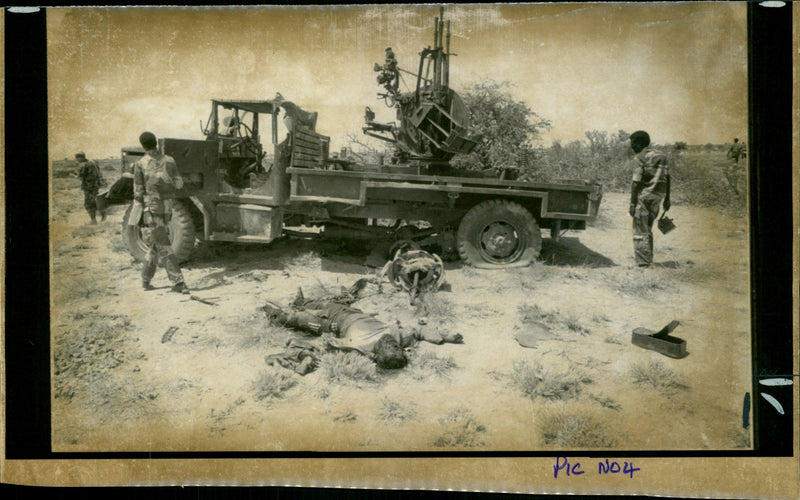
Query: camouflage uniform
[(91, 180), (737, 148), (155, 179), (651, 173)]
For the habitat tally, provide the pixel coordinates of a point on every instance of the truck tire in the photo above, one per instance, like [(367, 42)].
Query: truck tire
[(498, 234), (181, 232)]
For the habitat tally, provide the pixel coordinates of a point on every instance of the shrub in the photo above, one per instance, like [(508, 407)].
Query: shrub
[(429, 363), (461, 430), (272, 383), (574, 431), (344, 367), (536, 382), (658, 376), (395, 411)]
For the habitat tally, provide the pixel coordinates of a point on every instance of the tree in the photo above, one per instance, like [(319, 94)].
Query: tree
[(507, 128)]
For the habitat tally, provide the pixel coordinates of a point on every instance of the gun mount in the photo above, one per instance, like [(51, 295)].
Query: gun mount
[(433, 120)]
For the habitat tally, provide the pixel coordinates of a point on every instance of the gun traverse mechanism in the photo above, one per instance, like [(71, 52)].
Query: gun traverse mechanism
[(433, 120)]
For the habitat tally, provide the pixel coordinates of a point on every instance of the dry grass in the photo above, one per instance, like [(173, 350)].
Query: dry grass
[(263, 335), (272, 383), (640, 282), (347, 367), (461, 430), (660, 377), (580, 430), (535, 382), (430, 364), (395, 411), (556, 319), (435, 307)]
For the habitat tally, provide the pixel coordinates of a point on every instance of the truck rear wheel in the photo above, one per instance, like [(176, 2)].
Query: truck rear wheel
[(498, 234), (180, 229)]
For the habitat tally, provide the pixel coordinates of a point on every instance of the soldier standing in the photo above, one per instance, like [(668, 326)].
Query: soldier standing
[(91, 180), (649, 189), (736, 150), (155, 179)]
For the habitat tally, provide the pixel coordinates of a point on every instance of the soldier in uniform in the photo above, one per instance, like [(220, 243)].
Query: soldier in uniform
[(91, 180), (736, 150), (155, 179), (649, 191)]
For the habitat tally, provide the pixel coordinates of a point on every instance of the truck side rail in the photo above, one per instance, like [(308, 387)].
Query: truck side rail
[(355, 187)]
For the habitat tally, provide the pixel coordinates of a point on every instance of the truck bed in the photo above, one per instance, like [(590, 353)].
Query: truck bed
[(573, 200)]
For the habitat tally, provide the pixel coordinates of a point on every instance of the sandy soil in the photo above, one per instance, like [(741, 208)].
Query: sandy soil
[(118, 387)]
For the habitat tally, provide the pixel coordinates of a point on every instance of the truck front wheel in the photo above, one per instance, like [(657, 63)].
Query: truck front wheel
[(498, 234), (180, 228)]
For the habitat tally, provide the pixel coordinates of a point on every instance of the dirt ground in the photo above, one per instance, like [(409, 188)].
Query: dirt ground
[(120, 384)]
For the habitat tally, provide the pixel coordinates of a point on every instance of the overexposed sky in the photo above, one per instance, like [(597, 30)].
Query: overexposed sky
[(678, 70)]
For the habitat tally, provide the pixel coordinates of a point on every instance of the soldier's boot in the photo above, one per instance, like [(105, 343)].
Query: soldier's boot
[(146, 286), (181, 288), (102, 215), (275, 315), (93, 217), (299, 299)]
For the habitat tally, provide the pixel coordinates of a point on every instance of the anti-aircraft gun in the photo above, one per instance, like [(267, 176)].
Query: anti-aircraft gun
[(433, 120)]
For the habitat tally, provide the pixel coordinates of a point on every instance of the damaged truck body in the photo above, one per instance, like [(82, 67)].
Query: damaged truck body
[(236, 191)]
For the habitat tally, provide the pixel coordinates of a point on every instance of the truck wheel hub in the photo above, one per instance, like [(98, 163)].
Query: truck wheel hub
[(499, 240)]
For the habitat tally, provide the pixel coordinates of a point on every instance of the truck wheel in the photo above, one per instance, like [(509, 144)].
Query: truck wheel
[(181, 232), (498, 233)]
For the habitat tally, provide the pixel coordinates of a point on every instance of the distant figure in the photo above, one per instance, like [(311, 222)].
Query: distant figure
[(91, 180), (737, 150), (649, 190), (155, 179)]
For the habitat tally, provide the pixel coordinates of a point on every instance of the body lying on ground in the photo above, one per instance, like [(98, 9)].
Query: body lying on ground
[(350, 329)]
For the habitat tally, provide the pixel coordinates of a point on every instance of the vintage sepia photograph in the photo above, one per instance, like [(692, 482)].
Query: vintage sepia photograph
[(400, 228)]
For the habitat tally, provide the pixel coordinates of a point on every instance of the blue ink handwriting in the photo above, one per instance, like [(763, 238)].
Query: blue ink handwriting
[(604, 467)]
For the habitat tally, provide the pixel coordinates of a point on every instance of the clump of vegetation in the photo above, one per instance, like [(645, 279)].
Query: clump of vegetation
[(638, 283), (461, 430), (347, 417), (574, 431), (84, 353), (434, 307), (347, 367), (658, 376), (533, 313), (429, 363), (395, 411), (535, 382), (272, 383)]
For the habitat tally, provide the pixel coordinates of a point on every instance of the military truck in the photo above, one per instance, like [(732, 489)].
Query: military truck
[(236, 191)]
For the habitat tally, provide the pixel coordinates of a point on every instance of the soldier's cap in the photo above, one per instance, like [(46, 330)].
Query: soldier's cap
[(640, 138), (148, 140), (388, 48), (80, 154)]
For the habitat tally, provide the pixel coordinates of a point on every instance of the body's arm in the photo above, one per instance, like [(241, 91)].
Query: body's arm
[(434, 337)]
